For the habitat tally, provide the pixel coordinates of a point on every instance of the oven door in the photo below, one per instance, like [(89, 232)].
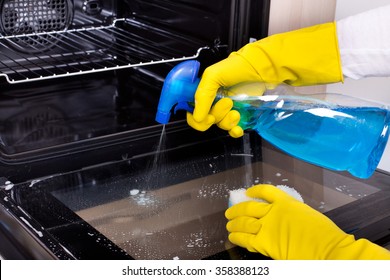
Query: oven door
[(170, 204), (86, 172)]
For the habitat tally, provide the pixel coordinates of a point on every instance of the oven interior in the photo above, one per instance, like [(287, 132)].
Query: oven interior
[(87, 173), (76, 73), (62, 38)]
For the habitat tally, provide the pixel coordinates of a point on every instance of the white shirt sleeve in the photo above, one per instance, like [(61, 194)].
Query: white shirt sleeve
[(364, 43)]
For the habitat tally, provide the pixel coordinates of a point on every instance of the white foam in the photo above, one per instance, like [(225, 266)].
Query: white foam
[(291, 191), (239, 195), (134, 192)]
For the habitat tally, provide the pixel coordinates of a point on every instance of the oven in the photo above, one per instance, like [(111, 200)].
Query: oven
[(85, 170)]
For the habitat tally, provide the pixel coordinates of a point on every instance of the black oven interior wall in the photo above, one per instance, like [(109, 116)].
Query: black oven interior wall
[(59, 102)]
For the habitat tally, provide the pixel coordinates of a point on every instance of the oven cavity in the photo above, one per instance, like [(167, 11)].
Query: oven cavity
[(51, 39), (87, 50)]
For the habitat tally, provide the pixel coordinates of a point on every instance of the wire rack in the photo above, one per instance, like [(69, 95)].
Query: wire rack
[(75, 52)]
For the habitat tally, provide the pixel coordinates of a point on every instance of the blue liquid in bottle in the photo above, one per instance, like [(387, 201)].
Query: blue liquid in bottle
[(334, 137)]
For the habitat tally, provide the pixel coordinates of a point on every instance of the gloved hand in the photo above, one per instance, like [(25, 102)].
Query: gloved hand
[(221, 114), (307, 56), (285, 228)]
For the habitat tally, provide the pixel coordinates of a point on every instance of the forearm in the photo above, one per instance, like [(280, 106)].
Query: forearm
[(364, 43)]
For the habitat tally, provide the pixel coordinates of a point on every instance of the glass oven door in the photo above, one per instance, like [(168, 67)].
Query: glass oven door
[(170, 204)]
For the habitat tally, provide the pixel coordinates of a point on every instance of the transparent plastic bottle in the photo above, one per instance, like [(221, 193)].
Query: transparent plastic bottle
[(334, 131)]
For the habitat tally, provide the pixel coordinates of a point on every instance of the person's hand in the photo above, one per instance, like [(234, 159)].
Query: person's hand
[(285, 228), (228, 72), (308, 56), (222, 115), (225, 73)]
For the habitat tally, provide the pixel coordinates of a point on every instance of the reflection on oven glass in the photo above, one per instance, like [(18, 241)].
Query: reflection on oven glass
[(185, 220), (179, 221)]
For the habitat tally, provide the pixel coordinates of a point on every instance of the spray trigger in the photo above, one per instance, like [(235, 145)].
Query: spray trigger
[(184, 106)]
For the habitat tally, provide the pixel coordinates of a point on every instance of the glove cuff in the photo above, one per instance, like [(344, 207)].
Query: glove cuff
[(361, 249), (307, 56)]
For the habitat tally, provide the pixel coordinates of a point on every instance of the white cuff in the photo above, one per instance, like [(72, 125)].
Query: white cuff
[(364, 43)]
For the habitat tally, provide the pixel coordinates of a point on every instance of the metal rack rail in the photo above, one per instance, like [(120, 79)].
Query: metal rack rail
[(75, 52)]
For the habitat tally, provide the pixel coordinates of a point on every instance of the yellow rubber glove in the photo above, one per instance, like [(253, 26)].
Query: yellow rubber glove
[(307, 56), (222, 115), (285, 228)]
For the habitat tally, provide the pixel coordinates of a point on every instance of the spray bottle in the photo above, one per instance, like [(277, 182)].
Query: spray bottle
[(334, 131)]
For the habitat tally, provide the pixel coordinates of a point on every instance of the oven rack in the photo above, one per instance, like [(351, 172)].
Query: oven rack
[(77, 52)]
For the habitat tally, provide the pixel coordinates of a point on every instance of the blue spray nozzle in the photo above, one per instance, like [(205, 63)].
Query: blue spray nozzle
[(179, 88)]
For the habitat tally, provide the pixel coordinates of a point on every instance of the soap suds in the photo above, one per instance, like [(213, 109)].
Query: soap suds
[(213, 191), (134, 192), (239, 195), (197, 240), (142, 198)]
